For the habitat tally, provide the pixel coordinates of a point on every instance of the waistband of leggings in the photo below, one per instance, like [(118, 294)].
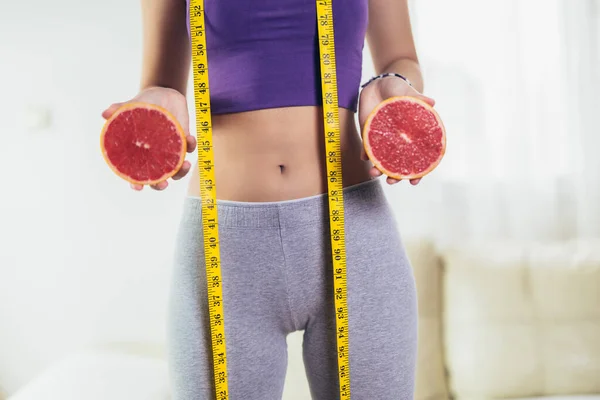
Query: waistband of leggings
[(287, 213)]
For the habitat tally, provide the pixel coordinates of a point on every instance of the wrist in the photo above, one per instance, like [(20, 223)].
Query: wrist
[(387, 75), (159, 89), (159, 86)]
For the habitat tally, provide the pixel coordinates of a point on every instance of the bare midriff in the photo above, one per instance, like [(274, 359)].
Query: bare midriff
[(278, 154)]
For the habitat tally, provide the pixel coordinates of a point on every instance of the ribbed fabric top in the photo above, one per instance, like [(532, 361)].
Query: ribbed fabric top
[(265, 54)]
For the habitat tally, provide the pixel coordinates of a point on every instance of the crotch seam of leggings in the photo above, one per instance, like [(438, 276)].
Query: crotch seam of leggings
[(285, 277)]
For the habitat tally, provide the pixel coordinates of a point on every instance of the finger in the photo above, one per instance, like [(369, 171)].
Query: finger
[(191, 143), (160, 186), (427, 100), (415, 181), (392, 181), (136, 187), (185, 168), (374, 172), (363, 155), (106, 114)]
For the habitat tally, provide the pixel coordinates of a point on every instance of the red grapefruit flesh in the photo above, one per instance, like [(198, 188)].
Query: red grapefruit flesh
[(404, 138), (143, 143)]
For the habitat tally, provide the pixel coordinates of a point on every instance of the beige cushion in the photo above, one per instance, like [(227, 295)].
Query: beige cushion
[(430, 379), (522, 321)]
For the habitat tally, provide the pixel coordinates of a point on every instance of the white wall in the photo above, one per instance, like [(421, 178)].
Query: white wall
[(83, 259)]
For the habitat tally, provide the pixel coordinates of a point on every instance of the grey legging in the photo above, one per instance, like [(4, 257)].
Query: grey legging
[(277, 278)]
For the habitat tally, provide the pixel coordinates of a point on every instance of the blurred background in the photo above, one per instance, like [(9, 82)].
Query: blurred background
[(504, 235)]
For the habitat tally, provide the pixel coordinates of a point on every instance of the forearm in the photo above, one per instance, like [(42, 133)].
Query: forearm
[(406, 67), (391, 41), (166, 49)]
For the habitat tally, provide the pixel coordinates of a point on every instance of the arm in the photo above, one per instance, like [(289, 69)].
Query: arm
[(166, 47), (390, 40), (165, 68)]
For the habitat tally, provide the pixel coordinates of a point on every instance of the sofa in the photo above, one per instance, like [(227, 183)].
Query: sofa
[(503, 320), (497, 321)]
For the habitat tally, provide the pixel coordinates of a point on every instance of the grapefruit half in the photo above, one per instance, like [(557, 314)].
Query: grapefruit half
[(404, 138), (143, 143)]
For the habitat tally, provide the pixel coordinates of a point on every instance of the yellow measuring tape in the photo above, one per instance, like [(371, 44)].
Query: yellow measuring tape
[(333, 155), (209, 201), (208, 194)]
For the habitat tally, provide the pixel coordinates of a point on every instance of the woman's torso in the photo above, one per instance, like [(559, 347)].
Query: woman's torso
[(265, 94), (277, 154)]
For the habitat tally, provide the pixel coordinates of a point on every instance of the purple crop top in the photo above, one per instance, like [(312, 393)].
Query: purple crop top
[(265, 53)]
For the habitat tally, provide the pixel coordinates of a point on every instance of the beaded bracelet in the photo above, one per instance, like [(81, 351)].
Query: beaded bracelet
[(387, 74)]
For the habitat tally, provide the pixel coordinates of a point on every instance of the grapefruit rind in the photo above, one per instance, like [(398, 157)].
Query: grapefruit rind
[(169, 116), (377, 163)]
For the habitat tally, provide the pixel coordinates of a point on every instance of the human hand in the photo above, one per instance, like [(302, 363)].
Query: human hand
[(174, 102), (376, 92)]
